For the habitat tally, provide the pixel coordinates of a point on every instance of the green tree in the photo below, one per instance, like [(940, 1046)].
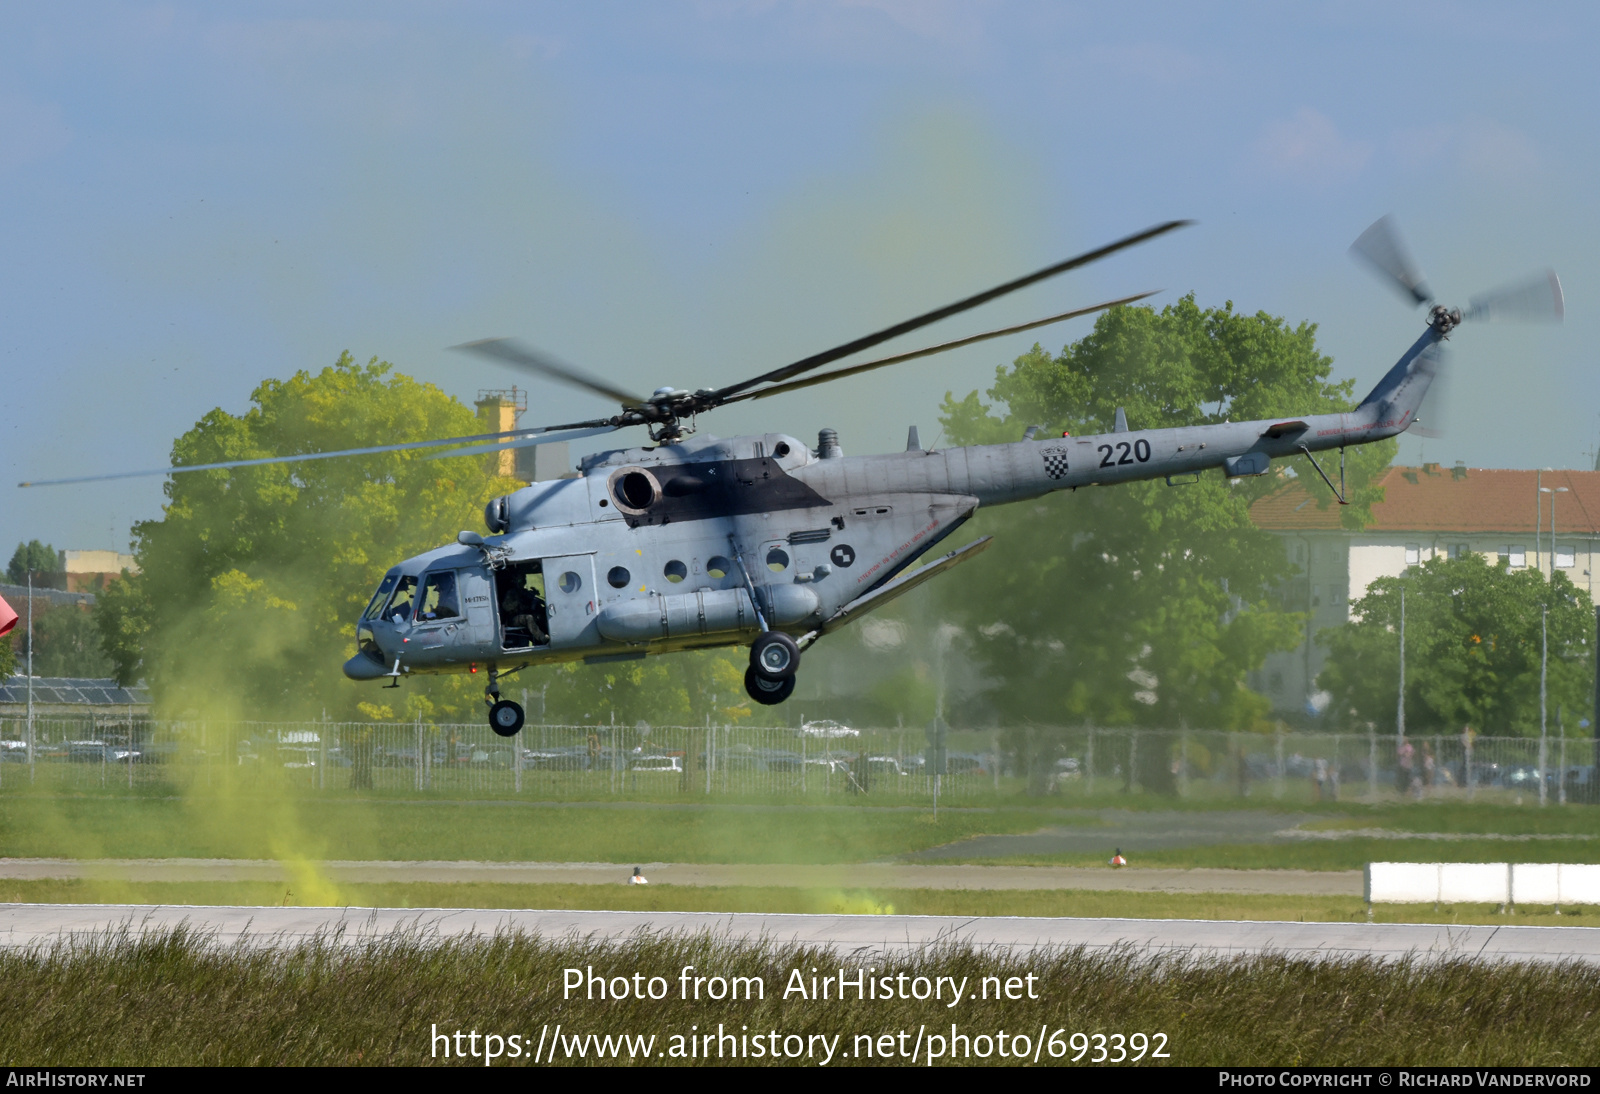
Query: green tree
[(250, 583), (1142, 604), (41, 558), (1473, 648), (66, 642)]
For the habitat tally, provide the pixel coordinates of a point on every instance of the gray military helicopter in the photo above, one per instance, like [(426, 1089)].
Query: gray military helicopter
[(696, 542)]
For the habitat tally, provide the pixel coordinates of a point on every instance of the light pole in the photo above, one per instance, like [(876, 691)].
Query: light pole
[(1552, 492), (1400, 711), (1544, 662), (30, 675)]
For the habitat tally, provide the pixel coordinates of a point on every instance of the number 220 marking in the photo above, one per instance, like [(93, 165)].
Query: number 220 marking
[(1138, 450)]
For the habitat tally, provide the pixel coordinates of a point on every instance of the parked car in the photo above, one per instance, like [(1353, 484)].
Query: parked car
[(827, 730), (884, 765), (82, 752), (672, 764)]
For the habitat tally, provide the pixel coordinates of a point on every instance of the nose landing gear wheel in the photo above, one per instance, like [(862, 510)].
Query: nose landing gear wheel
[(506, 718), (774, 655), (767, 692)]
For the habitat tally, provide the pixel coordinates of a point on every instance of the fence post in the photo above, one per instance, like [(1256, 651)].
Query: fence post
[(1372, 763), (1133, 761), (1466, 765), (710, 753), (1088, 764), (1277, 748), (322, 753), (422, 763), (1183, 762), (1561, 779), (516, 763)]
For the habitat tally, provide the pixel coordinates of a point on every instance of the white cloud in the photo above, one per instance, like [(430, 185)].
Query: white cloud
[(1310, 148)]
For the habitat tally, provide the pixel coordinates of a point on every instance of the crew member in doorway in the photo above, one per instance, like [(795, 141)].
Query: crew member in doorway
[(638, 877), (523, 607)]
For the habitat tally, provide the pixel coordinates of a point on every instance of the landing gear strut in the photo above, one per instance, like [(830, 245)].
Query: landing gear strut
[(774, 659), (505, 717)]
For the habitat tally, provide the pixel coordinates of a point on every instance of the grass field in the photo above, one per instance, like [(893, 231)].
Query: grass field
[(174, 1000), (309, 827), (686, 898)]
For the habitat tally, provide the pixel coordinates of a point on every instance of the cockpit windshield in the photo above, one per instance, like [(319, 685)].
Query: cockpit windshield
[(380, 596), (400, 605)]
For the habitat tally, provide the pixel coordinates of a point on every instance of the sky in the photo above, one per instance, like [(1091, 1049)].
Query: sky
[(195, 198)]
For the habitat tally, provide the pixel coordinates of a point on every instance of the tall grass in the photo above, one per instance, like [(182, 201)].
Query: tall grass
[(178, 998)]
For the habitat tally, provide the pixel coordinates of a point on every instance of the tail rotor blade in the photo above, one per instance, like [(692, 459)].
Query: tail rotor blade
[(1381, 247), (1535, 299)]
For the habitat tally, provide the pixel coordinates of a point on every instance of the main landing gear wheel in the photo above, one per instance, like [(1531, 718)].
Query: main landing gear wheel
[(506, 718), (774, 655), (768, 693)]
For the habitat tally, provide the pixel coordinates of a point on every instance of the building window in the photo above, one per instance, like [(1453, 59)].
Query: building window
[(1413, 554), (1459, 550), (1514, 556), (1564, 556)]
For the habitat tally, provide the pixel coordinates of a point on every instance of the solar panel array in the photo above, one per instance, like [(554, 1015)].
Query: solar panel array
[(74, 691)]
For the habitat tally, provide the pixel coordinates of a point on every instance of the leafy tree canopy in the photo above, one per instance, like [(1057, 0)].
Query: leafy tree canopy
[(1473, 647), (41, 558), (1142, 604), (250, 583)]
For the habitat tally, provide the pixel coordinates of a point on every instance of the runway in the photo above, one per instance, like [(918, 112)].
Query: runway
[(24, 925), (850, 876)]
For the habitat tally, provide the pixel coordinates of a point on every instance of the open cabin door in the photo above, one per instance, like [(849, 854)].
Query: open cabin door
[(571, 601)]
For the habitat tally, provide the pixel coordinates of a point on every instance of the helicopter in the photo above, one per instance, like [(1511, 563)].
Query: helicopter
[(695, 542)]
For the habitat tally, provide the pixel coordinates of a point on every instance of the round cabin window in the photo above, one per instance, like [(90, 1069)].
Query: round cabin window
[(777, 560), (571, 582), (619, 576), (675, 571), (719, 567)]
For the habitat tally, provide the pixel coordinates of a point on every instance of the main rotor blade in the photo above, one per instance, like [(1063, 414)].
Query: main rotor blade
[(839, 374), (867, 342), (1382, 248), (228, 464), (1533, 299), (510, 352), (527, 442)]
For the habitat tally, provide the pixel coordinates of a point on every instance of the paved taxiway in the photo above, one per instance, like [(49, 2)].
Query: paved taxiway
[(41, 924), (853, 876)]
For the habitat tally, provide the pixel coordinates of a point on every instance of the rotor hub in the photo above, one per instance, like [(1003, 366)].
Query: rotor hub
[(1444, 319)]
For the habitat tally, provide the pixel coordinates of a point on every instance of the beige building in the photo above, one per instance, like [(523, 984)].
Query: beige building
[(500, 411), (90, 571), (1426, 512)]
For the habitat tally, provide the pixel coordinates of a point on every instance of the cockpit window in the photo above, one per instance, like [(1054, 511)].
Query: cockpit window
[(439, 597), (399, 609), (380, 596)]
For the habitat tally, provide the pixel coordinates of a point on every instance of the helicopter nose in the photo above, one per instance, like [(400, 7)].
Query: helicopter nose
[(363, 667)]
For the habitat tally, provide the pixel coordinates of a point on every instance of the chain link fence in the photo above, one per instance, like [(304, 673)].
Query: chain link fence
[(140, 754)]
